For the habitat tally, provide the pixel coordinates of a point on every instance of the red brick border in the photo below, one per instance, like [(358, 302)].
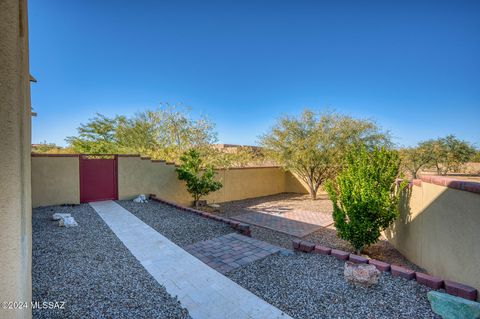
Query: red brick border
[(429, 281), (399, 271), (460, 290), (243, 228), (451, 287)]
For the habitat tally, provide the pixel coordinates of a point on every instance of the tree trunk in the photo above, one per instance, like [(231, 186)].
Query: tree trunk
[(196, 199), (414, 174), (313, 192)]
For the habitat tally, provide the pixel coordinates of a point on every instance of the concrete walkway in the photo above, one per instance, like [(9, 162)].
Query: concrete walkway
[(203, 291)]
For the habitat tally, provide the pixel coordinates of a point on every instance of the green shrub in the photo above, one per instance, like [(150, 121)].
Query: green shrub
[(364, 195), (200, 181)]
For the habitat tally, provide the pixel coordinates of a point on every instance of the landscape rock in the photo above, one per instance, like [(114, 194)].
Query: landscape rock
[(67, 222), (140, 199), (361, 274), (58, 216), (451, 307)]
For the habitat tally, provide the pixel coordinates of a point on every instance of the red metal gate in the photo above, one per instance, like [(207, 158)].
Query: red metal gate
[(98, 178)]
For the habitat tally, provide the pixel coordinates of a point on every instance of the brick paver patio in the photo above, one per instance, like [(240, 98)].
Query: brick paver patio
[(228, 252), (296, 223)]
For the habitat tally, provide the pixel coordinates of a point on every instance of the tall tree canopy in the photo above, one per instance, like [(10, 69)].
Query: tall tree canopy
[(450, 153), (165, 133), (413, 159), (446, 154), (312, 145)]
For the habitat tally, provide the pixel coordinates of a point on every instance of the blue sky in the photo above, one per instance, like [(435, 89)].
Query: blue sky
[(413, 66)]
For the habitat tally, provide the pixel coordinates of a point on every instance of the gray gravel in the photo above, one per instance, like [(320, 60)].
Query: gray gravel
[(313, 286), (181, 227), (90, 269)]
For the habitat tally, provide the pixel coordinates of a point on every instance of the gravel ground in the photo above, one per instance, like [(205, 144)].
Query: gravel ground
[(313, 286), (183, 228), (327, 236), (90, 269)]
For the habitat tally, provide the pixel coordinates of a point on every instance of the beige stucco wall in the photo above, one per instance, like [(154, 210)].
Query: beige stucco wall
[(245, 183), (55, 180), (15, 203), (439, 231), (138, 176), (293, 184)]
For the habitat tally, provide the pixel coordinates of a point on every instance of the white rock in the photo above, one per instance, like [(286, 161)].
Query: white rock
[(67, 222), (140, 199), (58, 216), (361, 274)]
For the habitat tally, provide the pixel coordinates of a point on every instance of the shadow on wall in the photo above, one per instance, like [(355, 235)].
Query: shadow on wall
[(438, 229)]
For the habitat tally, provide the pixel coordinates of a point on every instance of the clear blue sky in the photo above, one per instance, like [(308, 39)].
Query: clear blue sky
[(414, 66)]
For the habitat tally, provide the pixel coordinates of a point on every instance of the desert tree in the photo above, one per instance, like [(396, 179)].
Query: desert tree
[(164, 133), (449, 153), (413, 159), (97, 136), (312, 145)]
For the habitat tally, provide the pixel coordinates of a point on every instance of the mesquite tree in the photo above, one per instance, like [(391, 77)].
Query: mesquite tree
[(365, 195), (312, 145), (413, 159)]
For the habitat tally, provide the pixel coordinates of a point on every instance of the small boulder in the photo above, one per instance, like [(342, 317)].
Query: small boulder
[(361, 274), (452, 307), (141, 199), (58, 216), (67, 222)]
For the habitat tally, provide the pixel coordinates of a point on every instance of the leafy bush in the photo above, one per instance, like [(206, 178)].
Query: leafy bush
[(364, 195), (200, 180)]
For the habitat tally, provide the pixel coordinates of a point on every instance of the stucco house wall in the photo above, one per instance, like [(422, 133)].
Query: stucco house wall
[(15, 132)]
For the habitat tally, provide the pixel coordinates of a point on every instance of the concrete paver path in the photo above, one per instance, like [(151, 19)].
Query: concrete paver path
[(203, 291)]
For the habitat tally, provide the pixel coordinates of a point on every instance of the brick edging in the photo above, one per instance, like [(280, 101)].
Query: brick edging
[(243, 228), (473, 187), (451, 287)]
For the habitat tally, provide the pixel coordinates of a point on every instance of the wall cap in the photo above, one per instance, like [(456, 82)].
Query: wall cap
[(55, 155), (148, 158), (473, 187)]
